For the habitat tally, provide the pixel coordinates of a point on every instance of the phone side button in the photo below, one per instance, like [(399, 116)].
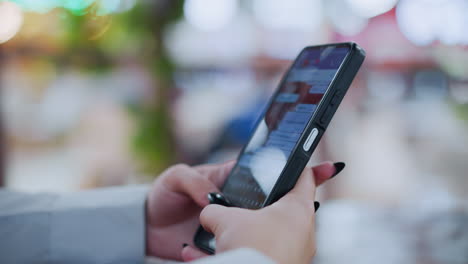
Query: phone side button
[(336, 98), (310, 139)]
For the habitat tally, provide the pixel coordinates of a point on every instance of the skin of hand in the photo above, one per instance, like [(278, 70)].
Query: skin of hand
[(174, 203), (284, 231)]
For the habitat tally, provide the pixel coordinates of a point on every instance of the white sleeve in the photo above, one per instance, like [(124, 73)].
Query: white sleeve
[(242, 255), (237, 256), (97, 226)]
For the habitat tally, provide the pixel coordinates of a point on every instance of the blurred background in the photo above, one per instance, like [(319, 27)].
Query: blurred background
[(99, 93)]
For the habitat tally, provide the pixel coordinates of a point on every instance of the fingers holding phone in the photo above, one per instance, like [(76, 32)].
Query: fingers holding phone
[(288, 221), (283, 231)]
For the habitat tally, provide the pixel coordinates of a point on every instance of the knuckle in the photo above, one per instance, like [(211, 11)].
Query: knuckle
[(175, 170), (173, 173), (179, 167)]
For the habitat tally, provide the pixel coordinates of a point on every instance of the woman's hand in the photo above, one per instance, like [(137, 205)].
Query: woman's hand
[(174, 204), (284, 231)]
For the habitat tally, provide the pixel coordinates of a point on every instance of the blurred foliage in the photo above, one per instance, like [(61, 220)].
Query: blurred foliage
[(461, 111), (94, 41), (154, 141)]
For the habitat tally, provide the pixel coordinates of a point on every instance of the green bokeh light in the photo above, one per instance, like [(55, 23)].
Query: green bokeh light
[(41, 6), (76, 7)]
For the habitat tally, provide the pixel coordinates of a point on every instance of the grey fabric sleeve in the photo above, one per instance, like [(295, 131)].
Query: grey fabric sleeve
[(97, 226)]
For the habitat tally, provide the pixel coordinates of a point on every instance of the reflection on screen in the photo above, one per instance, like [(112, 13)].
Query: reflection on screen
[(276, 135)]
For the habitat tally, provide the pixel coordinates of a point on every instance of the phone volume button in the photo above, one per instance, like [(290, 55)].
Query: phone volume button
[(335, 99), (326, 116)]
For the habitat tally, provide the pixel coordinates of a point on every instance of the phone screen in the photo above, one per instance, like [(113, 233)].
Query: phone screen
[(263, 159)]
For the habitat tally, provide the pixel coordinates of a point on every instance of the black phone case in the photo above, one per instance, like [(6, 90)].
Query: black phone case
[(320, 120)]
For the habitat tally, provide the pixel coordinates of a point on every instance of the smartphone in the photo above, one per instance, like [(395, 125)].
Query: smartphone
[(286, 135)]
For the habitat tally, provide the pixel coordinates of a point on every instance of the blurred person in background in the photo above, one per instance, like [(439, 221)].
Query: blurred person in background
[(122, 224)]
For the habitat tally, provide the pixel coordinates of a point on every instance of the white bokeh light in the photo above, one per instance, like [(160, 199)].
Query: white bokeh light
[(371, 8), (346, 23), (210, 15), (452, 27), (414, 22), (289, 15), (426, 21), (11, 19), (232, 45)]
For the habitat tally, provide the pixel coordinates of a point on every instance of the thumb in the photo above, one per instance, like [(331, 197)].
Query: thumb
[(214, 216)]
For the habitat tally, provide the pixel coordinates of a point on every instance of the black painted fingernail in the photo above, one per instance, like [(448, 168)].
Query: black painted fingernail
[(211, 197), (184, 245), (339, 166), (316, 205), (218, 198)]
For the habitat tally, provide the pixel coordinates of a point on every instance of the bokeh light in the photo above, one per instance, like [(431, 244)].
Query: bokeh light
[(426, 21), (305, 15), (415, 22), (371, 8), (346, 23), (41, 6), (210, 15), (77, 7), (11, 19), (115, 6)]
